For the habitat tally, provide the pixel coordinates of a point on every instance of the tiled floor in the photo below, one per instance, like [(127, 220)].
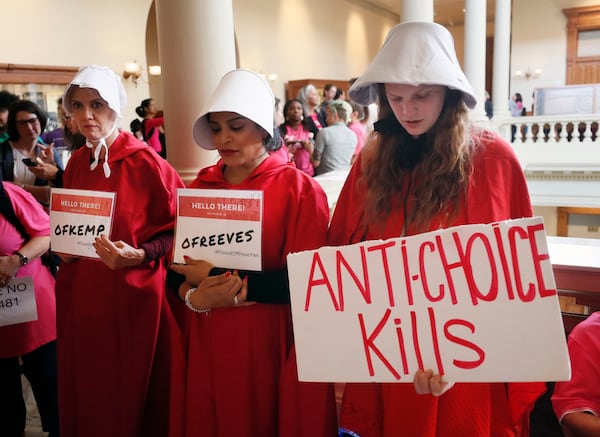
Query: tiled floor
[(33, 427)]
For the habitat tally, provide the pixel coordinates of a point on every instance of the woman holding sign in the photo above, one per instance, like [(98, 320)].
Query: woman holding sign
[(27, 312), (116, 335), (241, 377), (425, 168)]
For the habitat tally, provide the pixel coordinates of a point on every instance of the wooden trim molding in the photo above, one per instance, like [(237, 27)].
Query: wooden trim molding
[(41, 74), (562, 217), (581, 70)]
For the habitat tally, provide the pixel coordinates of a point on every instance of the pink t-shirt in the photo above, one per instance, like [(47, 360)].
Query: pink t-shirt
[(300, 154), (23, 338), (154, 139), (361, 135), (281, 153), (582, 392)]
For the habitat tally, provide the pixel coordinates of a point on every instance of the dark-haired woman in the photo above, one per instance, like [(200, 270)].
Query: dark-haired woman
[(26, 121), (241, 378), (425, 168), (153, 126), (297, 137)]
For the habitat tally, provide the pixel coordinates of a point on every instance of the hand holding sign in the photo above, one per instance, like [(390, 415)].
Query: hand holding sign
[(427, 383), (77, 218), (223, 227), (381, 311), (194, 270), (118, 254), (221, 291)]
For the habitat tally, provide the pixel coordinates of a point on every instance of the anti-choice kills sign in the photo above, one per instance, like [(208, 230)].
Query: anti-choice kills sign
[(473, 303)]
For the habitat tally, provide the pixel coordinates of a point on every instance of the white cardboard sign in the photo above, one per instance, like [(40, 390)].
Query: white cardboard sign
[(474, 303), (223, 227), (77, 218), (17, 301)]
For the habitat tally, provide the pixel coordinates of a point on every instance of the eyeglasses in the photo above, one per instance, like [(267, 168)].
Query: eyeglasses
[(32, 122)]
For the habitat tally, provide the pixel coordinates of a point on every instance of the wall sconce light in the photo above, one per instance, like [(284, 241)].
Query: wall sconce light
[(154, 70), (132, 70), (271, 77), (528, 74)]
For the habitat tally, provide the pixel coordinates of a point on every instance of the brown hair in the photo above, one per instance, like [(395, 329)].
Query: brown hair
[(437, 180)]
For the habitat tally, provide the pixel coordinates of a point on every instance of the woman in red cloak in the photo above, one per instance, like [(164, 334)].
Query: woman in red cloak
[(426, 168), (117, 339), (241, 378)]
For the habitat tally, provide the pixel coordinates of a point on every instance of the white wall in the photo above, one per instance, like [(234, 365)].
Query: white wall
[(76, 33), (333, 39), (292, 38), (539, 40)]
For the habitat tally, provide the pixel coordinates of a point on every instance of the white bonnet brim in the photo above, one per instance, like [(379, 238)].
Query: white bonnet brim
[(414, 53), (102, 79), (242, 92)]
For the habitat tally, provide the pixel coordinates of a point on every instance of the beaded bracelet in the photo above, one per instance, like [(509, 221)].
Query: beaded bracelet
[(188, 295)]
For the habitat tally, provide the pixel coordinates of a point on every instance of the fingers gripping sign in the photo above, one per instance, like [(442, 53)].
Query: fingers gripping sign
[(426, 382), (118, 254), (194, 270)]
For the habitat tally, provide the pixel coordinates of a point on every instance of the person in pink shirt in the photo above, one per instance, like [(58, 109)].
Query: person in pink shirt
[(577, 402), (297, 137), (356, 125), (152, 126), (25, 237)]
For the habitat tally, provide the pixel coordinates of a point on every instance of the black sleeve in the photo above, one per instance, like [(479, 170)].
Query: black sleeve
[(264, 287), (174, 280), (58, 179)]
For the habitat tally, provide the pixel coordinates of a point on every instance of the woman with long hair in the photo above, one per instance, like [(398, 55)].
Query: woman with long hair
[(427, 167)]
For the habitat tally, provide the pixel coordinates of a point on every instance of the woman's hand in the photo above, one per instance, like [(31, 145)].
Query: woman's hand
[(9, 266), (427, 383), (308, 146), (44, 171), (194, 270), (221, 291), (118, 254), (47, 154)]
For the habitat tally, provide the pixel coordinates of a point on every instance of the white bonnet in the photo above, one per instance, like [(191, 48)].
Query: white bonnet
[(102, 79), (242, 92), (414, 53)]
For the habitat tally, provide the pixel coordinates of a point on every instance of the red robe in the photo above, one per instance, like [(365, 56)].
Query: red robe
[(117, 339), (242, 377), (497, 191)]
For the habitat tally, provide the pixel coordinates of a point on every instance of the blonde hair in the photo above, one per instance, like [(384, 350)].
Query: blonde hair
[(437, 183), (340, 109)]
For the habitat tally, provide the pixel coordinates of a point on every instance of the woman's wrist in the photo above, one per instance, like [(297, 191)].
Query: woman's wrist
[(196, 306)]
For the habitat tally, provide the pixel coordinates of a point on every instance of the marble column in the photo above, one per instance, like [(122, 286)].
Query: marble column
[(417, 10), (501, 78), (196, 46), (475, 35)]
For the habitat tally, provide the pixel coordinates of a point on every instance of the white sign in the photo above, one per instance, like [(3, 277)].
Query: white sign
[(17, 302), (223, 227), (473, 303), (77, 218)]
